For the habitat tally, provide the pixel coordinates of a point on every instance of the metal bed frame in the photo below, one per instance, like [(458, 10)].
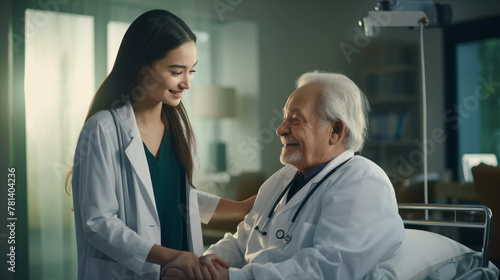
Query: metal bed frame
[(455, 208)]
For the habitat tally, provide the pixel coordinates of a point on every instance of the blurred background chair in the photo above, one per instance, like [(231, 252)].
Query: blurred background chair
[(487, 184)]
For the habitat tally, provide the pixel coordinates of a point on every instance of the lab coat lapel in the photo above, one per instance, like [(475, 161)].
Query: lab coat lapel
[(134, 149), (296, 199), (283, 206), (285, 181)]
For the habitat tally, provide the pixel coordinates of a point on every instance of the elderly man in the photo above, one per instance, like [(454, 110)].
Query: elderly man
[(328, 214)]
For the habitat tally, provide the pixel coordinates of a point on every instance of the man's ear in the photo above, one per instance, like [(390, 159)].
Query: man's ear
[(338, 131)]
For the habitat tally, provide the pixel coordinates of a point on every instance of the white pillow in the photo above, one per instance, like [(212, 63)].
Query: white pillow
[(426, 254)]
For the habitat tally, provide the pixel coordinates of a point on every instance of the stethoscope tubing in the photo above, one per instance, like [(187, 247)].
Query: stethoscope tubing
[(273, 209), (284, 235), (315, 188)]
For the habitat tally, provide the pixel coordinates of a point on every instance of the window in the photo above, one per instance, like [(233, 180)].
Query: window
[(472, 59), (59, 78)]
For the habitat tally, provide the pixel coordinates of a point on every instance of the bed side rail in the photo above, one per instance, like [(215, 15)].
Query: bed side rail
[(485, 225)]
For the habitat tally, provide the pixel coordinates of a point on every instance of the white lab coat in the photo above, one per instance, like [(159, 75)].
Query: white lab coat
[(116, 227), (345, 229)]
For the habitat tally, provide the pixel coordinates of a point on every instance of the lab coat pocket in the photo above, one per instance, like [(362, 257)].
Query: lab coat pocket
[(302, 236), (104, 269)]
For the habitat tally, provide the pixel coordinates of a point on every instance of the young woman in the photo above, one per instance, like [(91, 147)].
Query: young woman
[(134, 203)]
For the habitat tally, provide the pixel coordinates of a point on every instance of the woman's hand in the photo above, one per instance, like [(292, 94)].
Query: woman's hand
[(212, 267), (186, 264), (172, 273)]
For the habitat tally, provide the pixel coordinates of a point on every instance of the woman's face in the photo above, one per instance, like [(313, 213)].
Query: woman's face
[(168, 78)]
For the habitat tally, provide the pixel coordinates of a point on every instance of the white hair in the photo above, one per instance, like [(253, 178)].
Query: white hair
[(341, 99)]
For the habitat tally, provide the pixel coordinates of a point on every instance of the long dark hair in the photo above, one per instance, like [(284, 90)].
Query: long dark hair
[(149, 38)]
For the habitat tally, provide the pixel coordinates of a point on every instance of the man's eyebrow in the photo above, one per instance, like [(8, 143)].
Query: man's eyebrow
[(180, 66), (292, 111)]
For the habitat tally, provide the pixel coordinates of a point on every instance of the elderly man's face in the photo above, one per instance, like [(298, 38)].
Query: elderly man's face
[(304, 134)]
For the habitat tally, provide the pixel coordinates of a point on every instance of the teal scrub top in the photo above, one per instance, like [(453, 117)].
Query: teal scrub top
[(169, 186)]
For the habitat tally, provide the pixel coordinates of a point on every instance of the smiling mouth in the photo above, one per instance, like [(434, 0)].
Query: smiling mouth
[(178, 93)]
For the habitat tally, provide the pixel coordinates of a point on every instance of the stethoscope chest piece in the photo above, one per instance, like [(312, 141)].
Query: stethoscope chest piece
[(285, 236)]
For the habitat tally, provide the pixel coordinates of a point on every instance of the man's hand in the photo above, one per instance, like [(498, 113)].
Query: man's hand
[(216, 266), (212, 258), (222, 271)]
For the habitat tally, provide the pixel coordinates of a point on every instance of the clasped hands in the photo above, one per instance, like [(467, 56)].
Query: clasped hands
[(187, 265)]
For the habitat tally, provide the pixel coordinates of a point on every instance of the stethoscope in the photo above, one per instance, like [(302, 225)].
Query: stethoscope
[(281, 234)]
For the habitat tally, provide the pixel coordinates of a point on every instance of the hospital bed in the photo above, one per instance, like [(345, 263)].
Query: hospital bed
[(429, 255)]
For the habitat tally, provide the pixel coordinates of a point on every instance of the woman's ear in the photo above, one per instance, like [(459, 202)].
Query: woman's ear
[(337, 132)]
